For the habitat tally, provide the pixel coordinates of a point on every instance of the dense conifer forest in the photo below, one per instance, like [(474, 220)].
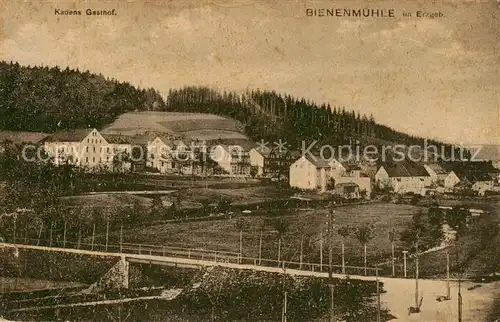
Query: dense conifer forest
[(43, 99)]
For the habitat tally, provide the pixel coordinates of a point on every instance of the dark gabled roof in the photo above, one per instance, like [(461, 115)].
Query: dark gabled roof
[(125, 139), (294, 154), (437, 168), (117, 139), (405, 169), (471, 171), (73, 135), (318, 161), (22, 137), (473, 176)]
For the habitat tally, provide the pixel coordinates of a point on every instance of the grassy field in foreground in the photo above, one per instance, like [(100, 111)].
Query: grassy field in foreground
[(223, 235)]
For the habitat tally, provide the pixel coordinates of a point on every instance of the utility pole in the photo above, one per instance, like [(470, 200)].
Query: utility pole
[(260, 248), (459, 297), (459, 300), (330, 256), (301, 251), (321, 251), (332, 313), (330, 242), (417, 306), (279, 251), (241, 244), (404, 261), (378, 294), (448, 293), (393, 260), (283, 310)]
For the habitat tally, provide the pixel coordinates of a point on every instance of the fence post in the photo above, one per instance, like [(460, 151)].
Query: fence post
[(39, 234), (14, 237), (50, 234), (79, 236), (260, 248), (93, 236), (189, 253), (107, 234), (121, 238), (321, 252), (64, 235), (26, 233)]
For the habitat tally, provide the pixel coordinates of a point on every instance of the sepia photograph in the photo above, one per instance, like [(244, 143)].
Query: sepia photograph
[(250, 160)]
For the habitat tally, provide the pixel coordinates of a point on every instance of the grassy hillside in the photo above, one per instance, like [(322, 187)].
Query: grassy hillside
[(201, 126)]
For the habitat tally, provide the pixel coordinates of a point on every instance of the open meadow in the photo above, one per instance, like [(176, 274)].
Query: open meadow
[(303, 225)]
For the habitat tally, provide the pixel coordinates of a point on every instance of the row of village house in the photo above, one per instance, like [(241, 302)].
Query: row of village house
[(310, 172), (172, 154)]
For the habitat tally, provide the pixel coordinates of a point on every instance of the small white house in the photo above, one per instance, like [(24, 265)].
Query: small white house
[(222, 155), (451, 180), (363, 182), (310, 173), (257, 160), (160, 154), (475, 180), (437, 173), (337, 168)]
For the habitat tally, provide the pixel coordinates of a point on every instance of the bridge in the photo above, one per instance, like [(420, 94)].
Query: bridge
[(193, 258), (398, 297)]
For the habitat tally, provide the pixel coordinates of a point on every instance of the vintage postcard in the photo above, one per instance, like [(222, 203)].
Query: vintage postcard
[(250, 160)]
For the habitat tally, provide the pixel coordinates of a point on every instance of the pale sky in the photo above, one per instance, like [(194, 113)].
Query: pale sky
[(435, 78)]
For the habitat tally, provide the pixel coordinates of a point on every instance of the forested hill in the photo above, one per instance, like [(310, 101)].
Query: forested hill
[(43, 99), (272, 116)]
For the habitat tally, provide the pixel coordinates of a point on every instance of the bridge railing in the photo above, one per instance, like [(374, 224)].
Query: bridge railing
[(202, 254)]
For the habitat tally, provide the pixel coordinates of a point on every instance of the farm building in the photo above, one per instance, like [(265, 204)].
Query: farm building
[(469, 180), (403, 177), (310, 173), (349, 190), (272, 163), (437, 173), (94, 151)]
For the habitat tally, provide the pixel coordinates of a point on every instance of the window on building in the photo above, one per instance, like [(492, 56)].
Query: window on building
[(87, 149), (107, 149), (87, 159), (94, 149), (93, 159)]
